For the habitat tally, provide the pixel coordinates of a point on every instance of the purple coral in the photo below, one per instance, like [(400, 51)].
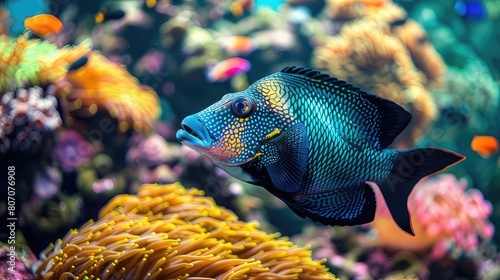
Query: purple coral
[(27, 117), (72, 150)]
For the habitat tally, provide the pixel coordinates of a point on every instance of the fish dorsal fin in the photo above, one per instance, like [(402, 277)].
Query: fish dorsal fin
[(378, 119)]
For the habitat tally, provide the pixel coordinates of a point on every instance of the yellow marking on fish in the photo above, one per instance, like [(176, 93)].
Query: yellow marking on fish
[(258, 154), (273, 133)]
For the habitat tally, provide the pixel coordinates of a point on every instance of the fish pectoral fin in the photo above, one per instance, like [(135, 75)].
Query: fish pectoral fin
[(285, 158), (351, 205)]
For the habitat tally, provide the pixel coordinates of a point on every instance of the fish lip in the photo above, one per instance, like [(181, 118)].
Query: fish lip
[(194, 133)]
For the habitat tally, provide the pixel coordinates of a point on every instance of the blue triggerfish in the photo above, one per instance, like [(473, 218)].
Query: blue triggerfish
[(314, 142)]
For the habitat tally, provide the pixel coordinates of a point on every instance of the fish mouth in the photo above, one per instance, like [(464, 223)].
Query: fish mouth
[(194, 133)]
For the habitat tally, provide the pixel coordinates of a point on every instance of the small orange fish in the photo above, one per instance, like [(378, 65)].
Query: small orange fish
[(151, 3), (238, 44), (43, 24), (227, 69), (485, 146)]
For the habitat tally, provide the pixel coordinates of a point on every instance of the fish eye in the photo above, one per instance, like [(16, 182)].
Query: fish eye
[(242, 107)]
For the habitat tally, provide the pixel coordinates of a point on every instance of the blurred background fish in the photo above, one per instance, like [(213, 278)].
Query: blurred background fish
[(226, 69), (238, 45), (485, 146), (105, 15), (44, 24)]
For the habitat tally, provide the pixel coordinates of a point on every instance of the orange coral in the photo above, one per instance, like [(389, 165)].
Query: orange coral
[(423, 53), (170, 232), (409, 31)]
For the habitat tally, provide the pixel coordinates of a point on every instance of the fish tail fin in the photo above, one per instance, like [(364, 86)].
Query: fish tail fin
[(409, 167)]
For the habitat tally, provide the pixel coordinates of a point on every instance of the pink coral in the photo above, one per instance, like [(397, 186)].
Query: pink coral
[(444, 215)]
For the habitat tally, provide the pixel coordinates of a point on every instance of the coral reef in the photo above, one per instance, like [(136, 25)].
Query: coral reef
[(104, 132), (168, 231)]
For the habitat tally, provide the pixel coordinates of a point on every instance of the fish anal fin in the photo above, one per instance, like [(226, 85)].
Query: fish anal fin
[(347, 206), (285, 158)]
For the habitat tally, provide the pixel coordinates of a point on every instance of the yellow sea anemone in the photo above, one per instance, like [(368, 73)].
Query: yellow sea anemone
[(168, 232)]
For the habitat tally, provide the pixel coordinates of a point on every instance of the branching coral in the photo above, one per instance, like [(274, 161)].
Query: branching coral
[(168, 232), (442, 212), (422, 52)]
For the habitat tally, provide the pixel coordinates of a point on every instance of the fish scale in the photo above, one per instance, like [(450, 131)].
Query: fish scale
[(324, 129), (315, 142)]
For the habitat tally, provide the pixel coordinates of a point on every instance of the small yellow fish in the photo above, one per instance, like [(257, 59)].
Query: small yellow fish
[(240, 7), (43, 24)]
